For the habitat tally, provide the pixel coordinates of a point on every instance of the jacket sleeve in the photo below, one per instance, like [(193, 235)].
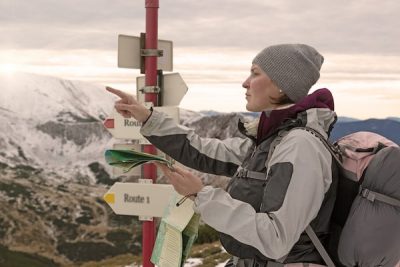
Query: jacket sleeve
[(210, 155), (275, 232)]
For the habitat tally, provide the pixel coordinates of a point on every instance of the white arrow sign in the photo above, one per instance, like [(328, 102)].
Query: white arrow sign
[(124, 128), (174, 89), (139, 199)]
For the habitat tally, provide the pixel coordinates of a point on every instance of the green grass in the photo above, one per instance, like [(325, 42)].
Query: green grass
[(118, 261), (19, 259), (14, 190), (211, 254)]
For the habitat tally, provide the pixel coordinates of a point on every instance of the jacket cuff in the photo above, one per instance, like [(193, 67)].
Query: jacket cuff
[(203, 196), (151, 123)]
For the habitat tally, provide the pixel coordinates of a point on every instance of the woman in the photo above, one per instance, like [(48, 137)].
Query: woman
[(281, 178)]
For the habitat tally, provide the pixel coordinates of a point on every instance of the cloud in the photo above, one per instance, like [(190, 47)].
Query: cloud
[(368, 26)]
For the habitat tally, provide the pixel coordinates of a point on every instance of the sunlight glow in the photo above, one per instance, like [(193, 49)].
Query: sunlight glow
[(8, 69)]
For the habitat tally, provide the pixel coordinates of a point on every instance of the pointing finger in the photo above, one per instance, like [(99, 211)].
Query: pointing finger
[(116, 92), (123, 107)]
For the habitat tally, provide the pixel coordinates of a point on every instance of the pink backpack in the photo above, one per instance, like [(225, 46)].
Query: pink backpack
[(366, 217), (355, 161)]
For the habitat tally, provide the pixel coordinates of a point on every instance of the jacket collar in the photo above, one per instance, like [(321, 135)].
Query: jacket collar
[(273, 120)]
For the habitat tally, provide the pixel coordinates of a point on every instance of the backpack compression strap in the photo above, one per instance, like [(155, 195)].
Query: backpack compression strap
[(372, 196)]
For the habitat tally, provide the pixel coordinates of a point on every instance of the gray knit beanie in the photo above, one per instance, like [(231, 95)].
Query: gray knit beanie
[(294, 68)]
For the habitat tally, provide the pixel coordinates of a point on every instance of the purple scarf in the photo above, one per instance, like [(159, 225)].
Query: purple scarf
[(321, 98)]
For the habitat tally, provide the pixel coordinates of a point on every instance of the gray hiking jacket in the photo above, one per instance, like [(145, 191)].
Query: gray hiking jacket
[(297, 178)]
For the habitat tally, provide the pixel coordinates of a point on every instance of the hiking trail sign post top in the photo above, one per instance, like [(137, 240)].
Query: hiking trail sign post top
[(130, 53)]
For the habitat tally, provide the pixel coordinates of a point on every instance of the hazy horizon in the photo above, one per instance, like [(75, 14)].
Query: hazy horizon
[(214, 47)]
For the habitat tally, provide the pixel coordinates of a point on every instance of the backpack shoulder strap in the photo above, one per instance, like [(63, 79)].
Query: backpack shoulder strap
[(320, 248), (274, 143), (336, 154), (335, 151)]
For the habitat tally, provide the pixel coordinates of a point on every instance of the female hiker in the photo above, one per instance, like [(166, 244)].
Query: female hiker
[(281, 180)]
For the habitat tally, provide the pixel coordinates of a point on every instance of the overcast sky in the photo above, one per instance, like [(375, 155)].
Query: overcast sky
[(214, 43)]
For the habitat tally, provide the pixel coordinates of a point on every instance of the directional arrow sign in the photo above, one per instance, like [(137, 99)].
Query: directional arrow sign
[(124, 128), (139, 199), (174, 89)]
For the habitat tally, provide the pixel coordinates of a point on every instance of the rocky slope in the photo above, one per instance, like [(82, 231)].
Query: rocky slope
[(53, 174)]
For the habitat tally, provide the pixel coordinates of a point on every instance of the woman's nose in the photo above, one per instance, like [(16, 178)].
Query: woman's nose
[(245, 84)]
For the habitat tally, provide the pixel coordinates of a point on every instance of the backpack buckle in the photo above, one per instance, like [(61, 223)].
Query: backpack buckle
[(365, 193), (242, 173)]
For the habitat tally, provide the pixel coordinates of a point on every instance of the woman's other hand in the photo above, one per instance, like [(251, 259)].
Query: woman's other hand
[(184, 182), (128, 106)]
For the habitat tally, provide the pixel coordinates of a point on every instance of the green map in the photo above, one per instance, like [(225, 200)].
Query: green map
[(128, 159), (176, 234)]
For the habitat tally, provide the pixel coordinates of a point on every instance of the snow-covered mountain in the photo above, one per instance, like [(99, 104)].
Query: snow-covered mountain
[(53, 124)]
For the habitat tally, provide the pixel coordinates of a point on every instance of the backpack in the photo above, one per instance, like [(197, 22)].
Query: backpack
[(366, 216)]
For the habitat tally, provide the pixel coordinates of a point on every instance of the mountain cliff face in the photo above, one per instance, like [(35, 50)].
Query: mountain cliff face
[(53, 124), (53, 174)]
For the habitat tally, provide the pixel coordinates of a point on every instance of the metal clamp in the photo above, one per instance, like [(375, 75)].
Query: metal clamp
[(151, 53), (150, 89)]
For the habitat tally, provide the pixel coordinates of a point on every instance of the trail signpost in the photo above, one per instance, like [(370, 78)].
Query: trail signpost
[(152, 56)]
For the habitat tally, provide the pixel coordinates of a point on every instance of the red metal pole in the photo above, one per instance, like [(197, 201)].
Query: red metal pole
[(150, 170)]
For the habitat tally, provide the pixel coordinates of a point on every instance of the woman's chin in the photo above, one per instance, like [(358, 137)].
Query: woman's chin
[(250, 109)]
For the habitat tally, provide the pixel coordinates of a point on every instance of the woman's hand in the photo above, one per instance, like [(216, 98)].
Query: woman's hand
[(184, 182), (128, 107)]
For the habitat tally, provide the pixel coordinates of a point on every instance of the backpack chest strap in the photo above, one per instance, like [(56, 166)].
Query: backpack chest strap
[(245, 173)]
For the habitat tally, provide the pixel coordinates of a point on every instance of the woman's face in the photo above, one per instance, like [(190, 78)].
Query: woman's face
[(260, 90)]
